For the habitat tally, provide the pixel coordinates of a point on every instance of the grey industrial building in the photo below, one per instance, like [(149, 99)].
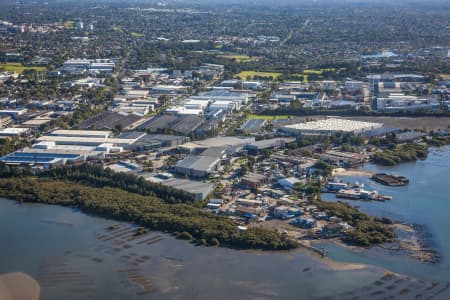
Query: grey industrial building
[(111, 120), (269, 144), (199, 189), (329, 126), (253, 125), (63, 146), (206, 155), (231, 143), (153, 141), (197, 166), (183, 124)]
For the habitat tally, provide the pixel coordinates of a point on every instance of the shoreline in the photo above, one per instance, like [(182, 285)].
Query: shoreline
[(414, 246), (413, 241), (304, 246), (417, 243), (333, 264), (314, 263)]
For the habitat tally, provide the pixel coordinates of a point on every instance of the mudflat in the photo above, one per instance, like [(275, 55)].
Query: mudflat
[(18, 286)]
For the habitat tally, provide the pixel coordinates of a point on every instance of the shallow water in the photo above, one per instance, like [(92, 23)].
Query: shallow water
[(73, 256)]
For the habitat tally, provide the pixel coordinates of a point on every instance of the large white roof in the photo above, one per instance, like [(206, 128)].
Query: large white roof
[(13, 130), (82, 132), (335, 124)]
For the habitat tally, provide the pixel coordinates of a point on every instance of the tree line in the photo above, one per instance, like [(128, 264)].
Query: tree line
[(185, 220), (97, 176), (400, 153), (366, 230)]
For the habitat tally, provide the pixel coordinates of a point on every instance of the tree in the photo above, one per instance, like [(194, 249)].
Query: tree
[(244, 169), (324, 168), (118, 128), (164, 100)]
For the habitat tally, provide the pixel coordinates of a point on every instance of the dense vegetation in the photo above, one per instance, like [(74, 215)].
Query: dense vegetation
[(150, 212), (97, 176), (10, 145), (323, 168), (366, 231), (438, 141), (400, 153)]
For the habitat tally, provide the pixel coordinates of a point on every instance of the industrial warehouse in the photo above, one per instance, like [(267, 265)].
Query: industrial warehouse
[(63, 146), (207, 155), (329, 126)]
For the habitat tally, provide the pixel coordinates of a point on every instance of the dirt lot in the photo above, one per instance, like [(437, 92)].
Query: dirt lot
[(427, 123)]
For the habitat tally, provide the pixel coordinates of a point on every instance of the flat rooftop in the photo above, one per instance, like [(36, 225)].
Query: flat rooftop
[(89, 133), (253, 177), (64, 149), (183, 124), (410, 135), (13, 131), (190, 186), (261, 144), (109, 120), (225, 141), (379, 131), (36, 122), (253, 124), (195, 162), (85, 140), (37, 158), (335, 124), (223, 93)]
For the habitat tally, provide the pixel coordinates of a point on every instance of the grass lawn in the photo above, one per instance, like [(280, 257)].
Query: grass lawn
[(320, 71), (137, 34), (311, 71), (269, 118), (19, 68), (69, 24), (244, 74), (316, 72), (240, 58), (117, 28), (241, 161)]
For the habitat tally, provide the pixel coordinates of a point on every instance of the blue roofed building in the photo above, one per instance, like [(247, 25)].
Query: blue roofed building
[(40, 159), (63, 146)]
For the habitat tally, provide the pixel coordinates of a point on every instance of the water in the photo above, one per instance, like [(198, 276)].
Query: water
[(425, 201), (67, 253), (73, 255)]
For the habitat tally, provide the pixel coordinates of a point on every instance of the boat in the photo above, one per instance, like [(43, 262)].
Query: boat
[(360, 194), (352, 194), (379, 197), (390, 180), (335, 186), (358, 185)]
